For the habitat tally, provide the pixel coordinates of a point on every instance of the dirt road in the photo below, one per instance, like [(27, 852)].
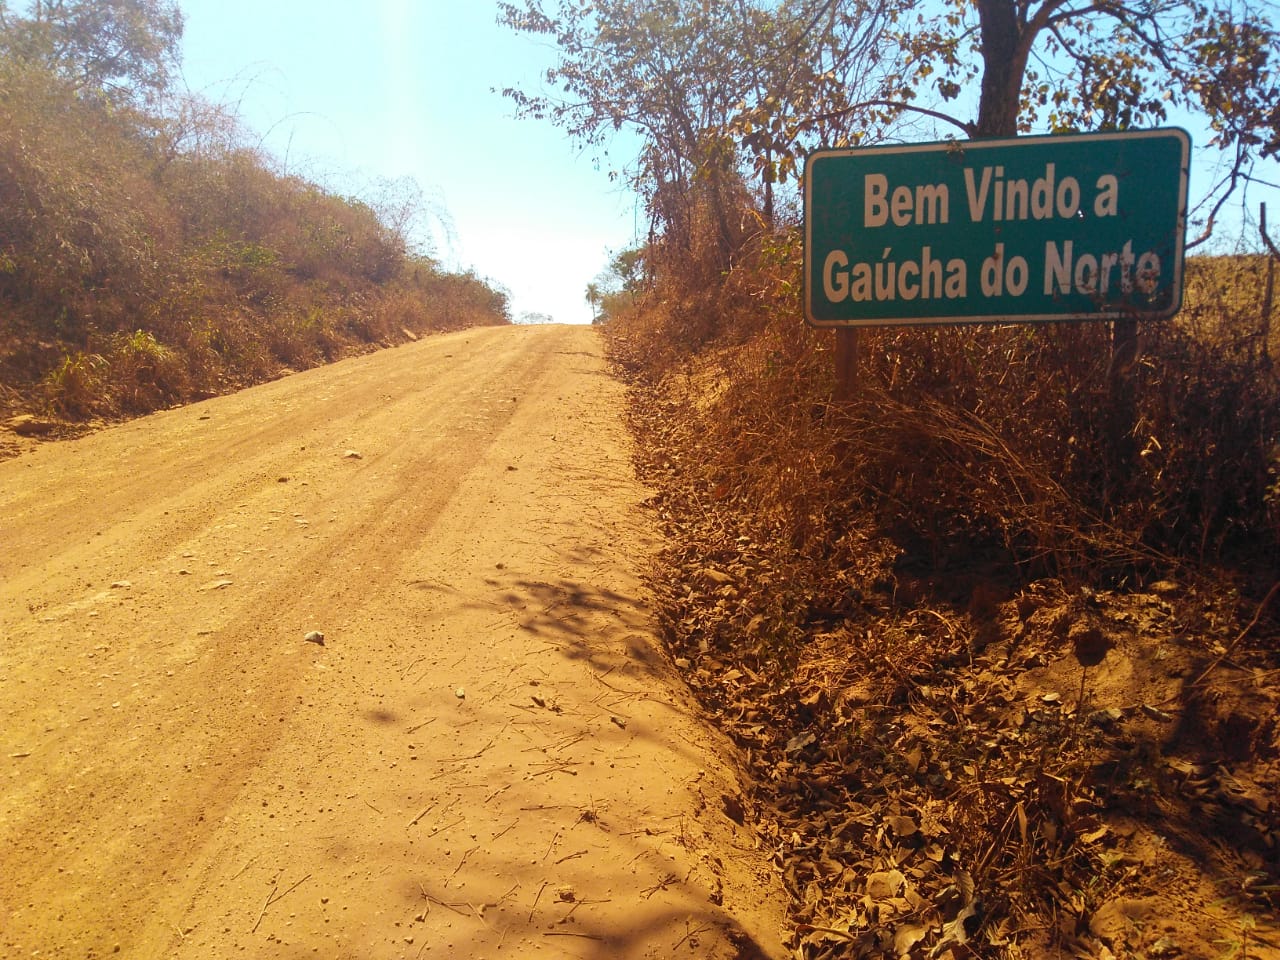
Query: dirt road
[(486, 756)]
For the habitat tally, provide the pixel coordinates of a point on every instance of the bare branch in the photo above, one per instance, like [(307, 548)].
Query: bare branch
[(1233, 177), (1266, 237), (898, 106)]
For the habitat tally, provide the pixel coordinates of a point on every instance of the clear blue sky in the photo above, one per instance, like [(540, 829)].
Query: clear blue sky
[(350, 93)]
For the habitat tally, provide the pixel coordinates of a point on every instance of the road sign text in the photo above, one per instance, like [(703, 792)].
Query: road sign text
[(1041, 228)]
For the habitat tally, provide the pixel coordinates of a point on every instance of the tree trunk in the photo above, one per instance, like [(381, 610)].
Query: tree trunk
[(1002, 69)]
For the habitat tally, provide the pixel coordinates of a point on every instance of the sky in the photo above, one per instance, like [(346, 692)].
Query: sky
[(353, 95)]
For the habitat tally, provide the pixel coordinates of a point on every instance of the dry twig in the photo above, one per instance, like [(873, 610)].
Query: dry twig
[(272, 897)]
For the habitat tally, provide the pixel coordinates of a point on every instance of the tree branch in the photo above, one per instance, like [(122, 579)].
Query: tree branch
[(1067, 46), (1266, 237), (897, 105), (1066, 15), (1233, 178)]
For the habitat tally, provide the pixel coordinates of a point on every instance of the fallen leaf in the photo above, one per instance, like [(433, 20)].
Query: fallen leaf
[(799, 742), (902, 826), (907, 936), (885, 884)]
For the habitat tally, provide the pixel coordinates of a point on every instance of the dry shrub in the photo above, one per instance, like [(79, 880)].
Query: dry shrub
[(293, 336), (149, 260), (74, 389), (399, 310), (689, 304), (144, 375), (453, 301), (85, 242), (1230, 301), (236, 339), (1017, 445)]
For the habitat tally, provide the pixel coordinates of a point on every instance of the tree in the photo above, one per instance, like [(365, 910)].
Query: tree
[(659, 67), (806, 61), (124, 50), (683, 74), (593, 300), (627, 269), (619, 285), (1103, 64), (1069, 66)]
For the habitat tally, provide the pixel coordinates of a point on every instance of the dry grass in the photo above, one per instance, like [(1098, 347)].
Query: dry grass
[(1011, 444), (888, 601), (138, 271)]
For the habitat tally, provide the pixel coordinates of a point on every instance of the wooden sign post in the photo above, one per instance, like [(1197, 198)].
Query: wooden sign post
[(846, 363)]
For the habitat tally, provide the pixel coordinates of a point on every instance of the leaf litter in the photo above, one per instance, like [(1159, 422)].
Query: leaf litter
[(994, 776)]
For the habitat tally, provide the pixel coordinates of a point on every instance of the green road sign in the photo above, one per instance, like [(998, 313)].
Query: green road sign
[(1087, 227)]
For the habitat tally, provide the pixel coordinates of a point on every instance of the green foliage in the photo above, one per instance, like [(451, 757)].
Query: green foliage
[(75, 388)]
